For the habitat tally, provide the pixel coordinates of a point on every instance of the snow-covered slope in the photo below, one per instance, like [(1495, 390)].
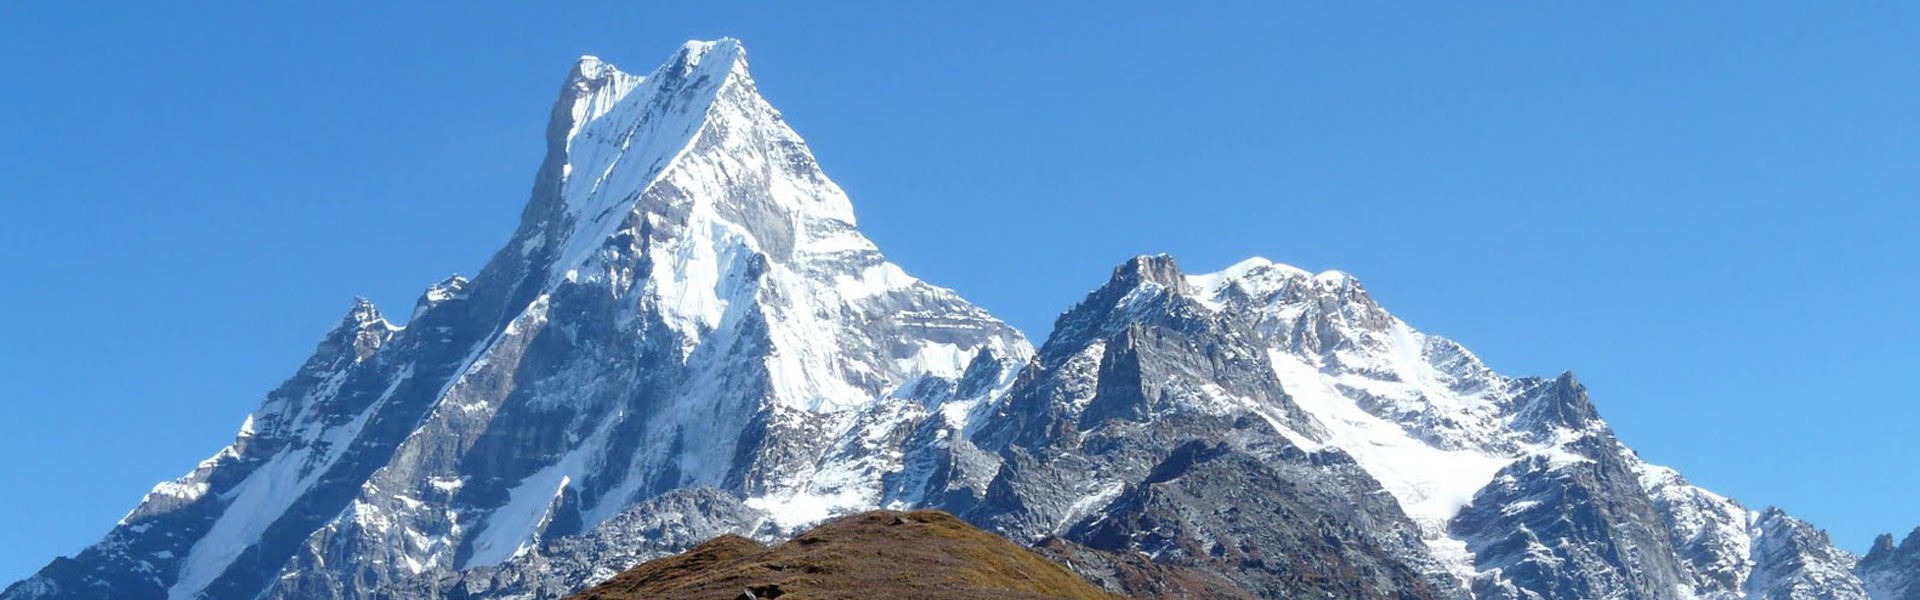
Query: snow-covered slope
[(1442, 432), (687, 336), (687, 303)]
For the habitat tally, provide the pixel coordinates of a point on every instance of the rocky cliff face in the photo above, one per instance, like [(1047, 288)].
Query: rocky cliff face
[(687, 337), (1892, 572)]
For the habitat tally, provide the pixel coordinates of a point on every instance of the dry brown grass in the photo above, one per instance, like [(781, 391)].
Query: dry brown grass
[(927, 555)]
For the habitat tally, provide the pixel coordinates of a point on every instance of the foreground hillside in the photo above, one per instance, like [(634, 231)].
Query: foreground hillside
[(881, 554)]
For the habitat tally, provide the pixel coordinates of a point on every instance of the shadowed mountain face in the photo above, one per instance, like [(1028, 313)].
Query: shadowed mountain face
[(1893, 572), (880, 554), (687, 336)]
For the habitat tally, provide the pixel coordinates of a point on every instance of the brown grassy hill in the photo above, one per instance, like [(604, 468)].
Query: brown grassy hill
[(926, 555)]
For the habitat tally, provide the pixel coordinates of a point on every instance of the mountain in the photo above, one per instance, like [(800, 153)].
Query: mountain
[(686, 303), (880, 554), (687, 337), (1892, 572), (1181, 416)]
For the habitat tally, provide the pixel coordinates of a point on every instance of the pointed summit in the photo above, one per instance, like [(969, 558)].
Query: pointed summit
[(360, 333), (362, 312), (1882, 548), (686, 304), (689, 151), (590, 68), (1158, 269)]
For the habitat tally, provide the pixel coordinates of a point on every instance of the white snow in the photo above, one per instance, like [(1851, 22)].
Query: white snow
[(1100, 497), (511, 530), (1211, 283), (265, 495), (1371, 389), (181, 489), (622, 141), (1431, 484), (793, 511)]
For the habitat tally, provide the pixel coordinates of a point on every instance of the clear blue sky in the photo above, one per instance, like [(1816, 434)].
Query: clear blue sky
[(1708, 211)]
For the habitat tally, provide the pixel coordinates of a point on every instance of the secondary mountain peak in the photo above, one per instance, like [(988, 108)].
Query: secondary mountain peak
[(1892, 572)]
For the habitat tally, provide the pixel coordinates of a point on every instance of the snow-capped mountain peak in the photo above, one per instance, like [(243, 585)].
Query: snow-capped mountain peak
[(685, 304), (687, 335)]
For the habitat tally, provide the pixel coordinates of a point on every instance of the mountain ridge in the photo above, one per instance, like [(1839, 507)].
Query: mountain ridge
[(687, 336)]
